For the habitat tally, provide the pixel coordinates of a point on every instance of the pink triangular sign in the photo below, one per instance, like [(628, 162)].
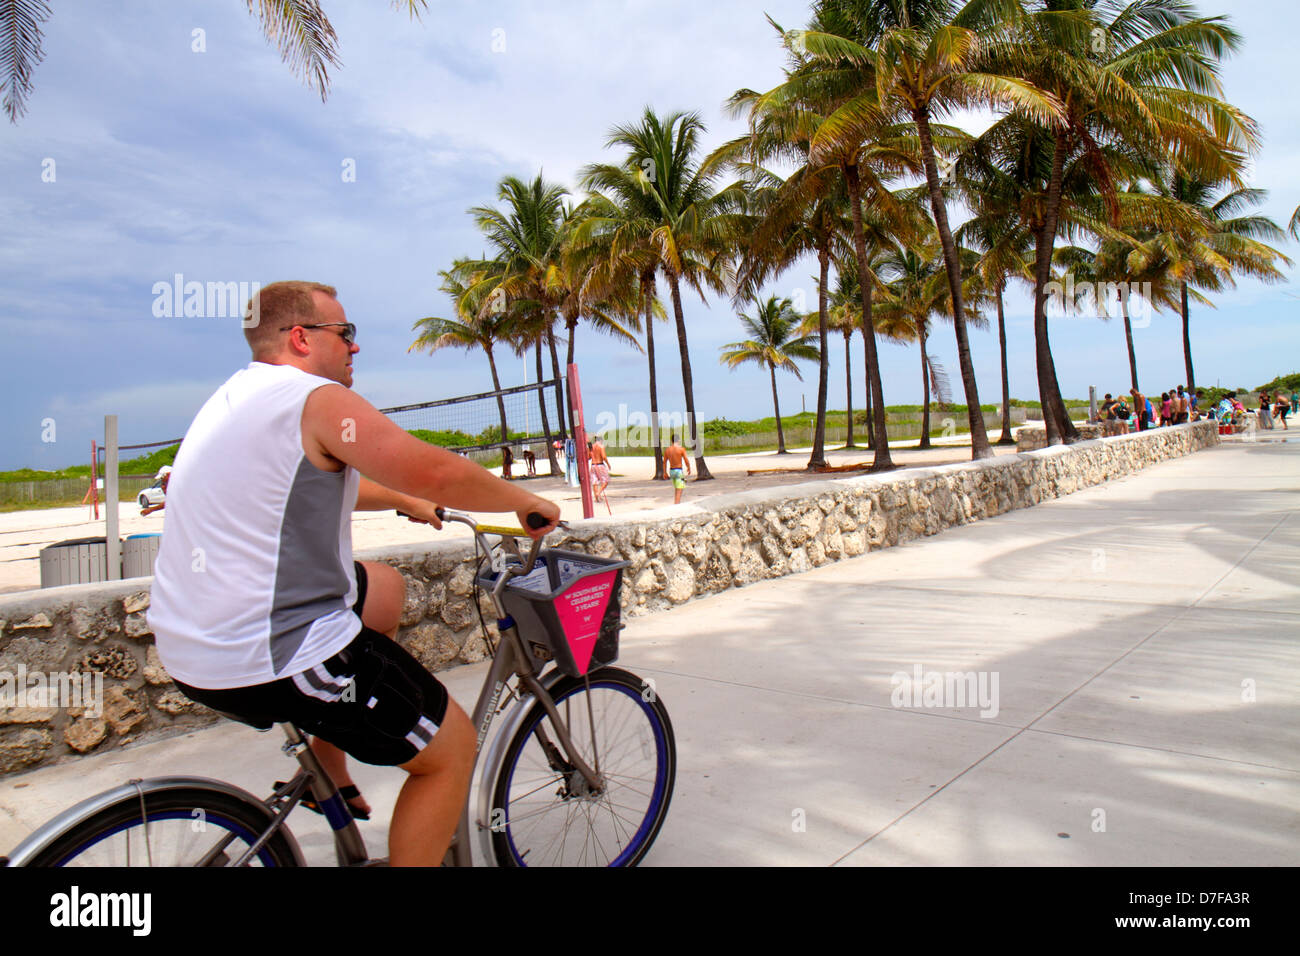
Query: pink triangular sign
[(581, 610)]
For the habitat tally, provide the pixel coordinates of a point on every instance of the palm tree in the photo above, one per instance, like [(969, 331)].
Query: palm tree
[(307, 42), (845, 317), (1005, 244), (528, 236), (1221, 243), (620, 232), (1135, 85), (601, 288), (775, 341), (919, 58), (475, 327), (807, 212), (911, 274), (683, 220), (853, 135), (918, 289)]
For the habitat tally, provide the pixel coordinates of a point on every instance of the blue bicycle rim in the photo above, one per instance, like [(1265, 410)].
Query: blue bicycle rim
[(656, 798)]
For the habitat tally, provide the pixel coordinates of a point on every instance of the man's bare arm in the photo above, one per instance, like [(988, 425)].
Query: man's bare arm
[(349, 429), (372, 496)]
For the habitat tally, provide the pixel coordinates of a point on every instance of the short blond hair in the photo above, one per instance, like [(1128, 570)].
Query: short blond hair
[(277, 305)]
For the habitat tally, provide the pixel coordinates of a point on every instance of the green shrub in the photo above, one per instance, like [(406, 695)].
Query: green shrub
[(1288, 383), (445, 439), (720, 427)]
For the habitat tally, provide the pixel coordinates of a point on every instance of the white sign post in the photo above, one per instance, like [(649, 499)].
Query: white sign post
[(111, 503)]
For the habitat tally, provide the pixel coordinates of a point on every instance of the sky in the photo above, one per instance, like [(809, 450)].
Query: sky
[(168, 138)]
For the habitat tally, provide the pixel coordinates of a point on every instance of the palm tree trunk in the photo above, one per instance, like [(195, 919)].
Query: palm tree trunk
[(1187, 344), (1128, 337), (871, 422), (818, 458), (1006, 438), (776, 407), (882, 460), (572, 326), (1048, 385), (1042, 351), (979, 439), (560, 391), (925, 384), (546, 422), (848, 388), (496, 386), (701, 469), (648, 287)]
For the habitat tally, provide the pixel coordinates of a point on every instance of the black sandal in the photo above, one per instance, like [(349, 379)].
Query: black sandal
[(348, 793)]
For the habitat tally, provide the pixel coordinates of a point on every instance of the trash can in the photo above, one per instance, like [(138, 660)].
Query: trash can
[(76, 561), (139, 551)]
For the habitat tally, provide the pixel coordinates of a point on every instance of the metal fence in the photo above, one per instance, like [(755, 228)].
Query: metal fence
[(67, 489)]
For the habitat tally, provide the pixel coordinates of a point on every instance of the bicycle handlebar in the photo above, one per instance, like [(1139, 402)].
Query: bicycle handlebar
[(533, 519)]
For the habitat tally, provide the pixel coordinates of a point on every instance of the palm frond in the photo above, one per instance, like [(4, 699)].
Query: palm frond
[(307, 42), (20, 51)]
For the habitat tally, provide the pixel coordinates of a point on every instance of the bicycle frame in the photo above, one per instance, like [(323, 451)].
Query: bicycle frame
[(510, 660)]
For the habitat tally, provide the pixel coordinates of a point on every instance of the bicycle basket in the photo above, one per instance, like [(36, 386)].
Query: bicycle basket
[(566, 609)]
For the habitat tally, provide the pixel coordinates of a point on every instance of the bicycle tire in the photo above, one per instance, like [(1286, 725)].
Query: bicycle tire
[(181, 824), (630, 717)]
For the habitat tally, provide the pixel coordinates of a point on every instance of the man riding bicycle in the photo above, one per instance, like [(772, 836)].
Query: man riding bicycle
[(257, 606)]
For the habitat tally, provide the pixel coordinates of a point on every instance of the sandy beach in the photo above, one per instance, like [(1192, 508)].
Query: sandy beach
[(632, 489)]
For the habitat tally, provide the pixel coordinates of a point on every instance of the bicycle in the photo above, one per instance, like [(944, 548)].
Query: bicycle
[(581, 772)]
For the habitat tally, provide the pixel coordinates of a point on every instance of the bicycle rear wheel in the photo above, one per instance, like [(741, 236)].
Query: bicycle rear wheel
[(184, 827), (545, 814)]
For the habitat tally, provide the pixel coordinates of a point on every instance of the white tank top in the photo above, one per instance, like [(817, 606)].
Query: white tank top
[(254, 578)]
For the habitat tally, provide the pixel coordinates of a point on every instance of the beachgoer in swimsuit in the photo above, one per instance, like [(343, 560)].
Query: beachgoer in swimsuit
[(679, 468)]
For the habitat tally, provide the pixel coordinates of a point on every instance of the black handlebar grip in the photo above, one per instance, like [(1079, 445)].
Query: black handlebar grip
[(536, 521), (440, 512)]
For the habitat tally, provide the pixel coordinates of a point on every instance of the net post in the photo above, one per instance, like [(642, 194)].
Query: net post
[(93, 494), (114, 543), (580, 444)]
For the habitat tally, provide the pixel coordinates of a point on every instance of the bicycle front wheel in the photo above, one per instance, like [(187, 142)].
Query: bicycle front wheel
[(545, 813), (176, 827)]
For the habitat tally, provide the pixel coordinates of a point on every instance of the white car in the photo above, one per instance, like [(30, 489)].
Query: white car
[(153, 495)]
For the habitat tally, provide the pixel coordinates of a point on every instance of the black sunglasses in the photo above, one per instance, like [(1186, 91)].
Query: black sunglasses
[(348, 335)]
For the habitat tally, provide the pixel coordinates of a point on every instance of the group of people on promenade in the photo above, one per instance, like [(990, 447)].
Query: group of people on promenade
[(1231, 411), (1180, 405), (1176, 406), (1279, 407)]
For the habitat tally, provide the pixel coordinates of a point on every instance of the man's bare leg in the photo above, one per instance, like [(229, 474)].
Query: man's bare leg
[(428, 808)]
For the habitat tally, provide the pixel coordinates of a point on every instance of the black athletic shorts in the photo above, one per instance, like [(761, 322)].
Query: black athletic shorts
[(372, 699)]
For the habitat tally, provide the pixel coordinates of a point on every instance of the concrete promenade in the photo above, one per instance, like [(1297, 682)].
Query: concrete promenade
[(1138, 645)]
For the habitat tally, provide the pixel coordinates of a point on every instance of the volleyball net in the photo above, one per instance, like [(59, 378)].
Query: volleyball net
[(522, 415)]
